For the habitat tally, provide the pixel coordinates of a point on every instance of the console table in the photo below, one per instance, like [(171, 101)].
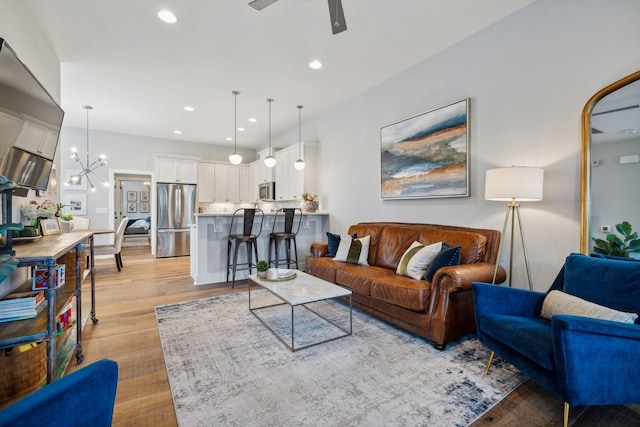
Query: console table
[(43, 327)]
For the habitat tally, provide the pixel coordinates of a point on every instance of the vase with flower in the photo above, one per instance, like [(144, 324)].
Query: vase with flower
[(310, 202), (33, 211)]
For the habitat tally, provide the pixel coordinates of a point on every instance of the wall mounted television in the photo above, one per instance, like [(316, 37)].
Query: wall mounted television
[(30, 122)]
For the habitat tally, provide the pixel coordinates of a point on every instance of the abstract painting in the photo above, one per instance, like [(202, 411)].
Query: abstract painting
[(426, 155)]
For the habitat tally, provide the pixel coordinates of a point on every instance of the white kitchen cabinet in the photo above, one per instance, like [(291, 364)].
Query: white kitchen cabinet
[(245, 184), (205, 182), (184, 171), (290, 182), (228, 185), (37, 138)]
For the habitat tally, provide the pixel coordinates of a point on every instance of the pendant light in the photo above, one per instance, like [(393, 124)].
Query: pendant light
[(234, 157), (270, 161), (87, 169), (299, 164)]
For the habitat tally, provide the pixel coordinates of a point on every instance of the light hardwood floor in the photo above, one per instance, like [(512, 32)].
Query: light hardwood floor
[(127, 333)]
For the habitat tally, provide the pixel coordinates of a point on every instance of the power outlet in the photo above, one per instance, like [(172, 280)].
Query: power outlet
[(605, 229)]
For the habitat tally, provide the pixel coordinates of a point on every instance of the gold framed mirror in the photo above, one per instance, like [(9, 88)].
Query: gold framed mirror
[(587, 132)]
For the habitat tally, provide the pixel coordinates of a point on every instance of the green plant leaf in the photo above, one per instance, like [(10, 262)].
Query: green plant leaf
[(624, 228)]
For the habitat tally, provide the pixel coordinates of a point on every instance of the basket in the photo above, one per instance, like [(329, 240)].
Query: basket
[(22, 372), (69, 260)]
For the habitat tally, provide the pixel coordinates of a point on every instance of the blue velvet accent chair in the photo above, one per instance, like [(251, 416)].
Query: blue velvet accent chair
[(583, 360), (82, 398)]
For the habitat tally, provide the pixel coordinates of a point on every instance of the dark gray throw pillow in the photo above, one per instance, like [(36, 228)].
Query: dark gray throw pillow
[(446, 257), (333, 241)]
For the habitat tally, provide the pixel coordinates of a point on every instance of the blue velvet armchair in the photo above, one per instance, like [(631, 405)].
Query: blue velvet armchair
[(584, 360), (82, 398)]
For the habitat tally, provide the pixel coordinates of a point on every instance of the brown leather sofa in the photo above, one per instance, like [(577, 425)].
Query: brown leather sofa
[(441, 310)]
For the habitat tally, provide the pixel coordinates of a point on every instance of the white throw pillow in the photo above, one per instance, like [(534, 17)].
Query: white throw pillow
[(557, 302), (416, 259), (358, 255)]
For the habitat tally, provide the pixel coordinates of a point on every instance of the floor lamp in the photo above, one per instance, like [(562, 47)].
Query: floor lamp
[(513, 185)]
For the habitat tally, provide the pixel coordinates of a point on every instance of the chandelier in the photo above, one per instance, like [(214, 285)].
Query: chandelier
[(87, 169)]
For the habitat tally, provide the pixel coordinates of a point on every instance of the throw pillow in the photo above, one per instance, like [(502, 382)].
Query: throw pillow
[(558, 302), (416, 259), (333, 240), (354, 250), (447, 256)]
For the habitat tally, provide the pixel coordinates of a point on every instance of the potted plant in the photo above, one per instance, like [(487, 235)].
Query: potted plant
[(262, 267), (310, 202), (613, 245)]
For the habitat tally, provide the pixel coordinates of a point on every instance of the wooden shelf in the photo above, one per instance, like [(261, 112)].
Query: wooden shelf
[(29, 330), (43, 327)]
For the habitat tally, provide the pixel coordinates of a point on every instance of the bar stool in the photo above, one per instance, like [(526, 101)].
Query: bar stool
[(250, 218), (291, 217)]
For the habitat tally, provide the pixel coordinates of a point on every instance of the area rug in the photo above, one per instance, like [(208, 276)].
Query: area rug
[(226, 368)]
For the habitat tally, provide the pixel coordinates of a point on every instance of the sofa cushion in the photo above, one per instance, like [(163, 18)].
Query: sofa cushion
[(557, 302), (612, 283), (394, 241), (416, 259), (324, 268), (373, 230), (354, 250), (529, 336), (358, 278), (473, 246), (402, 291), (447, 256)]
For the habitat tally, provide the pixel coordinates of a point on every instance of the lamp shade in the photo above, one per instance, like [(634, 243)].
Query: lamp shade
[(517, 183)]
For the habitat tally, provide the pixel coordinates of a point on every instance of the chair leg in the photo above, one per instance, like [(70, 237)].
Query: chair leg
[(566, 415), (249, 255), (235, 263), (287, 246), (486, 370), (117, 263), (228, 258), (295, 253), (255, 250), (120, 259)]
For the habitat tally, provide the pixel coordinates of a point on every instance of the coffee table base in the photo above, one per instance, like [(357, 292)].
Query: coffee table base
[(291, 346)]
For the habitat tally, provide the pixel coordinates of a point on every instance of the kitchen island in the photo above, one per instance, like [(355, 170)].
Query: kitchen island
[(209, 243)]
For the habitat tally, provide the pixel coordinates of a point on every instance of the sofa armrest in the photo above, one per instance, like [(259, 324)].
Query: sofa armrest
[(319, 249), (596, 360), (457, 278), (498, 299), (85, 397)]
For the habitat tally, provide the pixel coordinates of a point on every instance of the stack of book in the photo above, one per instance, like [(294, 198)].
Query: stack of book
[(22, 305)]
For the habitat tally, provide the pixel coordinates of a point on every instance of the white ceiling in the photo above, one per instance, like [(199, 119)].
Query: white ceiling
[(138, 72)]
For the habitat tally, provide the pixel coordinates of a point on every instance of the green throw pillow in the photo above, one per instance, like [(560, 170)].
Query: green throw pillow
[(352, 249)]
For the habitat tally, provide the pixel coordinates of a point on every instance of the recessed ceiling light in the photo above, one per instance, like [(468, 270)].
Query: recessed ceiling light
[(229, 138), (253, 119), (188, 108), (315, 64), (167, 16), (177, 132), (241, 129)]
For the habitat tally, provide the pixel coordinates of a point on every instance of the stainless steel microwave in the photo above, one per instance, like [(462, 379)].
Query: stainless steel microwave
[(267, 190)]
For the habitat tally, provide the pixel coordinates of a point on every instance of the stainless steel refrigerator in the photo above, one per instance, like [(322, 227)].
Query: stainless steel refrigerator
[(176, 206)]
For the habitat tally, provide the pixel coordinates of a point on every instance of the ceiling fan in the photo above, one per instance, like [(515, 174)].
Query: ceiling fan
[(336, 13)]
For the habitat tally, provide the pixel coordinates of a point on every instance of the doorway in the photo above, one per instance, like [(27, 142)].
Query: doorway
[(132, 199)]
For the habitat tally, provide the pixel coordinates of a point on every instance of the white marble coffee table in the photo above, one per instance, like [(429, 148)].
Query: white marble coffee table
[(298, 292)]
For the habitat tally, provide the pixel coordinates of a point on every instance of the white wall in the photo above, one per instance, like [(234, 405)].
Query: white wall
[(127, 152), (528, 78), (20, 31)]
